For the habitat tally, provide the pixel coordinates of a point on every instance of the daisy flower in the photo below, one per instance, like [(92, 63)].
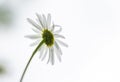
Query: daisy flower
[(45, 31), (47, 39)]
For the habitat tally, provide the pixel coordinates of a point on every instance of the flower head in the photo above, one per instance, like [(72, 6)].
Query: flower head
[(45, 31)]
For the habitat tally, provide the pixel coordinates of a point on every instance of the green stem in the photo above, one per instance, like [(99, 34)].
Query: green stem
[(40, 44)]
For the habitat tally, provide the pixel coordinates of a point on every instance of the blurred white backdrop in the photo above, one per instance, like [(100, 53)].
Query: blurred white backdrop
[(92, 31)]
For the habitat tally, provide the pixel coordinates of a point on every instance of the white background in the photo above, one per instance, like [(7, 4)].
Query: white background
[(92, 31)]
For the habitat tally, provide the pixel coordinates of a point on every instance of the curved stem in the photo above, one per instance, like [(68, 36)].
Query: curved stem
[(40, 44)]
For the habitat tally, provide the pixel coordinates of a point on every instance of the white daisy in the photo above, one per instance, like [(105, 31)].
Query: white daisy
[(47, 37), (47, 40)]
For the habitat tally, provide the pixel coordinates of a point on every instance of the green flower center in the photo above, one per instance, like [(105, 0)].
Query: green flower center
[(48, 37)]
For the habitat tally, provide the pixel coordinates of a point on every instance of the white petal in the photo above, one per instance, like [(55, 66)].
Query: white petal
[(35, 30), (58, 48), (44, 21), (46, 50), (59, 30), (49, 55), (58, 54), (41, 51), (37, 19), (62, 43), (57, 25), (52, 27), (34, 24), (59, 36), (40, 20), (52, 56), (48, 20), (33, 36), (35, 43)]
